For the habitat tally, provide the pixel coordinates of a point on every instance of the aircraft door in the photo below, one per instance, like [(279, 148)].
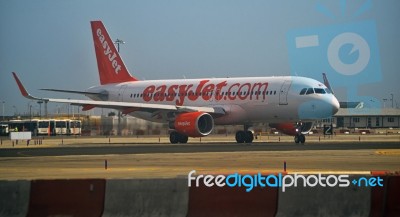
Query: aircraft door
[(284, 92)]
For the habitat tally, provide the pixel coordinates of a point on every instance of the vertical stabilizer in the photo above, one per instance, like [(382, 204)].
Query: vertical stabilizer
[(111, 67), (326, 82)]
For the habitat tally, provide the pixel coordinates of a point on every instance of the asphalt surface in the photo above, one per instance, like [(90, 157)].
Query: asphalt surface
[(121, 149)]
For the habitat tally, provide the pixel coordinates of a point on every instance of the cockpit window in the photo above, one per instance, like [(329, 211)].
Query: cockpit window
[(310, 91), (328, 91), (303, 91), (319, 91)]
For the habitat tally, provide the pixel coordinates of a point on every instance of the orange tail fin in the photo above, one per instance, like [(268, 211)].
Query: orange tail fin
[(111, 67)]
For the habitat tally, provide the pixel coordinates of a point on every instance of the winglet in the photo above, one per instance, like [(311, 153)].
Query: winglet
[(22, 88), (326, 82)]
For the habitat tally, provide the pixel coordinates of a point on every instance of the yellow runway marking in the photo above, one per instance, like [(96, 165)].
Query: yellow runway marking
[(388, 152)]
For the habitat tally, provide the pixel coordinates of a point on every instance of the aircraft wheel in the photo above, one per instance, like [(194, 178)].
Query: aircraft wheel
[(296, 139), (302, 138), (174, 137), (249, 137), (183, 138), (240, 136)]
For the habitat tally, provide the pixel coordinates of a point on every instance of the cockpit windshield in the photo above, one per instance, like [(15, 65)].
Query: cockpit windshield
[(307, 91), (319, 91), (328, 91), (310, 91)]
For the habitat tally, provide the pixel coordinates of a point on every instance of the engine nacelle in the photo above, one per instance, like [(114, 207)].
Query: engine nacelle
[(194, 124), (292, 128)]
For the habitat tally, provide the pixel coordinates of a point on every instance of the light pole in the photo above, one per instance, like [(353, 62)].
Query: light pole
[(392, 99), (16, 110), (3, 109), (40, 108), (69, 105), (30, 118), (118, 42), (384, 103)]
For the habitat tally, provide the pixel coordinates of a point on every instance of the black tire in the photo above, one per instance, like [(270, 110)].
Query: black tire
[(183, 138), (296, 139), (302, 138), (174, 137), (240, 136), (249, 137)]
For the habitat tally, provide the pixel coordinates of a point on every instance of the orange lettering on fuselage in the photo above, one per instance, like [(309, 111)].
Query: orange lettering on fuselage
[(206, 90)]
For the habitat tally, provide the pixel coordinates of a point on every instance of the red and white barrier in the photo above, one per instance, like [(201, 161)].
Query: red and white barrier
[(14, 198), (79, 197), (146, 197), (173, 197)]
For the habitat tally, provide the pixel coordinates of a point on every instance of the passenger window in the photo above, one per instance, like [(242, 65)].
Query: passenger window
[(310, 91), (274, 92)]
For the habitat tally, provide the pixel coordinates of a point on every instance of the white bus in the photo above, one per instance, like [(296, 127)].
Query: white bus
[(43, 127), (60, 127), (74, 127)]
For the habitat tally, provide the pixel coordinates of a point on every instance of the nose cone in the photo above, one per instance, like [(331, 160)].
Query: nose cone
[(320, 107), (335, 105)]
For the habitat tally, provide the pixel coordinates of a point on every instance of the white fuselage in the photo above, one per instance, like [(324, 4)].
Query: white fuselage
[(244, 100)]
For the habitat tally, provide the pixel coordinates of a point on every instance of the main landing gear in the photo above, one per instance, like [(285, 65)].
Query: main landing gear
[(300, 138), (175, 137), (244, 136)]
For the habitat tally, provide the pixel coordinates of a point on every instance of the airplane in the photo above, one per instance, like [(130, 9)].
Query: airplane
[(192, 107)]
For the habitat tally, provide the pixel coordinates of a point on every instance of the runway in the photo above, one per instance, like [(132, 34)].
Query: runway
[(102, 149), (153, 160)]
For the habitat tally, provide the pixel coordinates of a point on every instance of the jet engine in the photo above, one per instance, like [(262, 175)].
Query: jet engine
[(193, 124)]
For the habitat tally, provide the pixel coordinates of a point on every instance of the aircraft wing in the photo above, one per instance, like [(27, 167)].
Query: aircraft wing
[(125, 107)]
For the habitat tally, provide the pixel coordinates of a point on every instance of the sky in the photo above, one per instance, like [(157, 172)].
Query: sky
[(49, 43)]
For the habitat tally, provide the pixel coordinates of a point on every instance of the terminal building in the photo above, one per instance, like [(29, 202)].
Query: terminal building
[(367, 118), (354, 115)]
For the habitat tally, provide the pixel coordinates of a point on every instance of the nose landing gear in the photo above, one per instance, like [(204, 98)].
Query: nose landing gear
[(300, 138)]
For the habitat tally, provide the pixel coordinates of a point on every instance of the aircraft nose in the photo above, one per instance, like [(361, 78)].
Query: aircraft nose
[(335, 105)]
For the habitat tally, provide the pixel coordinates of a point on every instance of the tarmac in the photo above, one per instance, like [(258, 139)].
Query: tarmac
[(154, 157)]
